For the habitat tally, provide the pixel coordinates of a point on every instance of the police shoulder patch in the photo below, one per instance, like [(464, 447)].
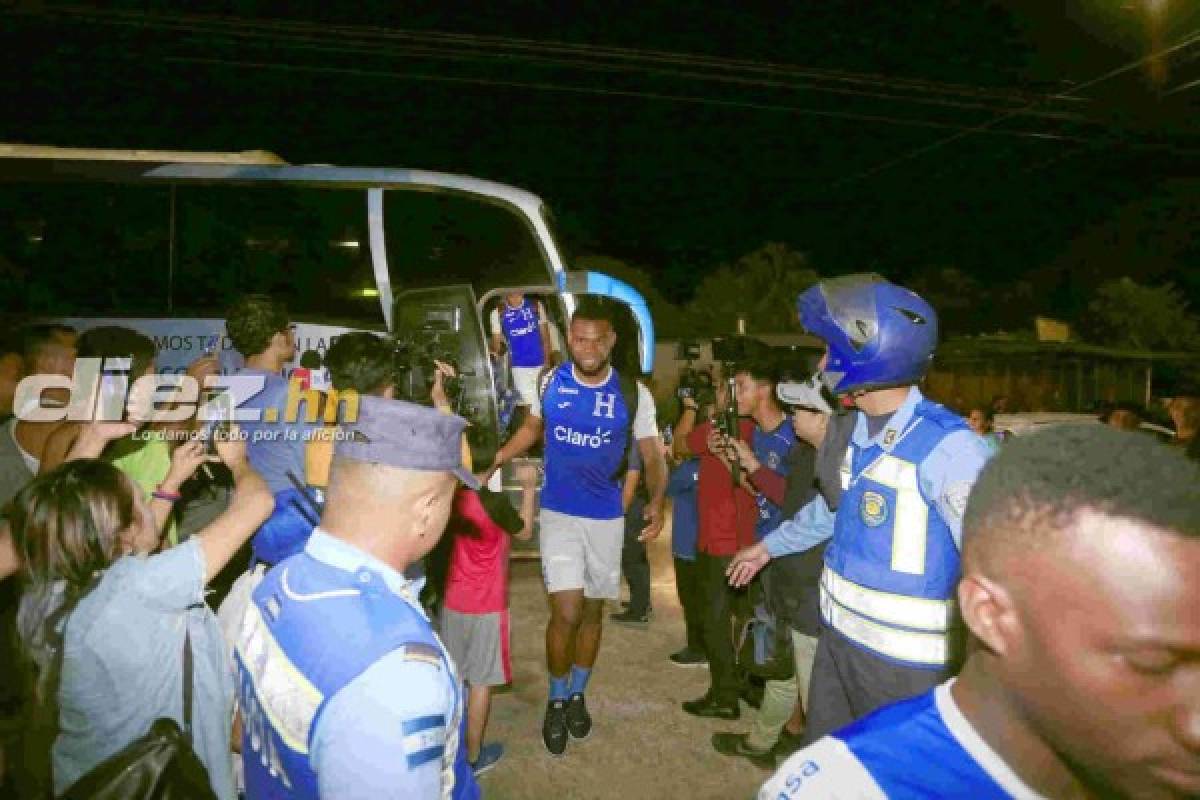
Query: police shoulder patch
[(424, 739), (956, 495)]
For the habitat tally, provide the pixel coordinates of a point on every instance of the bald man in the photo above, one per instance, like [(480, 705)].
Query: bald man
[(1081, 592)]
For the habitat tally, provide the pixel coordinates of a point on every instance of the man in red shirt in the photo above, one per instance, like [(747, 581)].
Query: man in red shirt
[(727, 516)]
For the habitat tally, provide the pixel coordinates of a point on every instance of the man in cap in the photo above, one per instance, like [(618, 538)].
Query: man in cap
[(892, 564), (345, 691), (1080, 586)]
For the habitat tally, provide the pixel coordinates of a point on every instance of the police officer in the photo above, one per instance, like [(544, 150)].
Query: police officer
[(345, 692), (891, 567)]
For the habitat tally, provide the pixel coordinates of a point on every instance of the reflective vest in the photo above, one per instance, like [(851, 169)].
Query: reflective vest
[(891, 569), (303, 611)]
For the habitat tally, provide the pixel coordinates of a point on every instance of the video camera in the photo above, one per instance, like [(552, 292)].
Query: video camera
[(426, 334), (694, 383)]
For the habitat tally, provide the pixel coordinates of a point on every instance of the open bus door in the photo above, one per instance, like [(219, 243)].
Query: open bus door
[(448, 324)]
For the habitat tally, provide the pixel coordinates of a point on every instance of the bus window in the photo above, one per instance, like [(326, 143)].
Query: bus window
[(84, 248), (307, 246), (445, 238)]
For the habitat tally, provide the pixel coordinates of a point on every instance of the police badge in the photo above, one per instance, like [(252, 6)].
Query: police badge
[(873, 509)]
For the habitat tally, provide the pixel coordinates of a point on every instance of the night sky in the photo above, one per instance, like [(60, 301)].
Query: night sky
[(679, 137)]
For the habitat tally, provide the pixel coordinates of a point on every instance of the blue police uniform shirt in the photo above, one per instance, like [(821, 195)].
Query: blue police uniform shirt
[(586, 439), (685, 512), (894, 559), (811, 525), (522, 329), (384, 734), (771, 449), (918, 749)]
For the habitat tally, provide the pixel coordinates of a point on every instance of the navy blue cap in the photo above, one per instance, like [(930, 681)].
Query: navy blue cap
[(405, 435)]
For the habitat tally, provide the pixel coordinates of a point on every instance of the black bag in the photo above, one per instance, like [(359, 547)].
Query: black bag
[(160, 765), (765, 646)]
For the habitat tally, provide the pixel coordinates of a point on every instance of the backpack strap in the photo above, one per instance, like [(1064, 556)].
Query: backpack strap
[(543, 382), (631, 397)]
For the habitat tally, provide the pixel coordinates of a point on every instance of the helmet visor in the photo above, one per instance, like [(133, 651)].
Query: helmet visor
[(851, 304)]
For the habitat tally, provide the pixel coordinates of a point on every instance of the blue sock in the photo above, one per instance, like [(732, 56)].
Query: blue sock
[(559, 688), (579, 679)]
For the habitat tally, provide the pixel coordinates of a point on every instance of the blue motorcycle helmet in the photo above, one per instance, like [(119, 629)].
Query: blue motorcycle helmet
[(879, 335)]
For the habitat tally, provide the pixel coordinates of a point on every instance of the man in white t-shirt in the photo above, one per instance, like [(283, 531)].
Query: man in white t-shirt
[(1080, 587)]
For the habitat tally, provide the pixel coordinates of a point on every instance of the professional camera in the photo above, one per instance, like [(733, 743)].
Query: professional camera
[(697, 384), (429, 333), (738, 349), (694, 383)]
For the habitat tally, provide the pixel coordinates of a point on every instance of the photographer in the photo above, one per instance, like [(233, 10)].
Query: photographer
[(365, 363), (727, 513)]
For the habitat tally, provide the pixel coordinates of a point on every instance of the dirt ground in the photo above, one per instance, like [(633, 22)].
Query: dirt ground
[(642, 745)]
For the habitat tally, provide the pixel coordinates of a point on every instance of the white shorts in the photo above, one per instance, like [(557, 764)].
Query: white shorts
[(525, 382), (581, 553)]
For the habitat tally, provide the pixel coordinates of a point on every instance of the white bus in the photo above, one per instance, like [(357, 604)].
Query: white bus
[(160, 241)]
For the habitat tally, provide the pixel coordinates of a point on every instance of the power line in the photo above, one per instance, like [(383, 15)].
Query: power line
[(460, 46), (541, 86), (1188, 40)]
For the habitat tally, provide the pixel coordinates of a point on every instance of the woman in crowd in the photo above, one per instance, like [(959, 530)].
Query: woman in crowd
[(87, 539)]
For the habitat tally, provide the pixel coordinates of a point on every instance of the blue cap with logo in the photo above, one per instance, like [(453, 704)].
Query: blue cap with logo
[(407, 436)]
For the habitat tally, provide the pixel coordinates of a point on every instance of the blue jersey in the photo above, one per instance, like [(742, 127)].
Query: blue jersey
[(771, 449), (344, 689), (685, 513), (893, 564), (522, 329), (587, 432), (918, 749), (274, 445)]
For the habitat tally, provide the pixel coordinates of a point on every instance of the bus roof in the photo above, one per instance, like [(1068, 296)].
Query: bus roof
[(49, 152), (41, 162)]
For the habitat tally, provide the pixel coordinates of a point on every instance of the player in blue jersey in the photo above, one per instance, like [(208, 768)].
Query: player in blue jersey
[(1080, 589), (344, 690), (893, 561), (520, 326), (586, 421)]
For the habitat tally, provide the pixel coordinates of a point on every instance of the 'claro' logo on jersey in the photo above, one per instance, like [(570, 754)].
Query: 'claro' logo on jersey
[(564, 433)]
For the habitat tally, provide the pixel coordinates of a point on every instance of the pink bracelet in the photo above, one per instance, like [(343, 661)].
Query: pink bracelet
[(170, 497)]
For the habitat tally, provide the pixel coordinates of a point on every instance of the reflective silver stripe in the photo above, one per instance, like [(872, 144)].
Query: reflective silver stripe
[(847, 468), (910, 517), (915, 648), (450, 754), (289, 700), (897, 609)]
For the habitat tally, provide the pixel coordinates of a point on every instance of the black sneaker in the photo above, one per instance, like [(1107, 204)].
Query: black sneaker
[(554, 727), (734, 744), (688, 658), (631, 619), (579, 721)]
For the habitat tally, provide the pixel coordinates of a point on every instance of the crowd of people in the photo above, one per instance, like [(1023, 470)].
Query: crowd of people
[(314, 604)]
